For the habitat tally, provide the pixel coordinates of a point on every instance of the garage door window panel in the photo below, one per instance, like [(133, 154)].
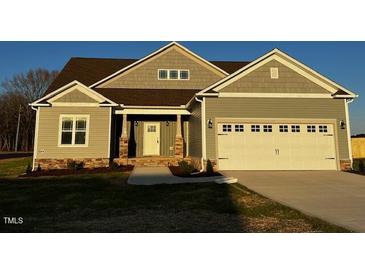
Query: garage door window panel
[(283, 128), (323, 128), (238, 128), (295, 128), (255, 128), (267, 128), (311, 128), (227, 128)]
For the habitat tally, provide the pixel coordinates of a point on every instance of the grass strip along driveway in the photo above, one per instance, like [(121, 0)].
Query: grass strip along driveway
[(105, 203)]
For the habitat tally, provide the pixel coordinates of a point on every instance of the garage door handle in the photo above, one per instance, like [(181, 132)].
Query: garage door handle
[(221, 134), (327, 134), (223, 158), (329, 158)]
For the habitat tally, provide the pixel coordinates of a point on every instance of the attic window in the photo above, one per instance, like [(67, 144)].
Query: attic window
[(274, 73), (173, 74)]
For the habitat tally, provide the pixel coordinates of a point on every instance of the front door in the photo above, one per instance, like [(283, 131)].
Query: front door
[(151, 139)]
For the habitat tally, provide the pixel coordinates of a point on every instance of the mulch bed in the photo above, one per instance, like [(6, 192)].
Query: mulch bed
[(177, 171), (61, 172), (357, 172)]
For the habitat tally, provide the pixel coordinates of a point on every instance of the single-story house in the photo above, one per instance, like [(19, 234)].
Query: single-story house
[(272, 113)]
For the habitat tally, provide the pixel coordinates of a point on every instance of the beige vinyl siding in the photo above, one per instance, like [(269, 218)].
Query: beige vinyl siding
[(195, 131), (75, 96), (145, 75), (167, 137), (260, 81), (48, 133), (296, 108)]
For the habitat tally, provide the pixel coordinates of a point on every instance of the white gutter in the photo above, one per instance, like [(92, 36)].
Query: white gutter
[(203, 131), (348, 101)]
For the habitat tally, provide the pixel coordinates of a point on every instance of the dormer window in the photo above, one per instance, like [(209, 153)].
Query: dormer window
[(184, 74), (163, 74), (173, 74)]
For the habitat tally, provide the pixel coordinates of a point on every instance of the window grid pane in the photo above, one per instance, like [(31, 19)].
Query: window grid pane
[(267, 128), (311, 128), (184, 74), (322, 128), (174, 74), (283, 128), (162, 74), (227, 128), (255, 128), (295, 128), (238, 128), (67, 124)]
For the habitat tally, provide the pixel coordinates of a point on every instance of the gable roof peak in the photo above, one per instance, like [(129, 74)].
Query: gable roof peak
[(155, 53)]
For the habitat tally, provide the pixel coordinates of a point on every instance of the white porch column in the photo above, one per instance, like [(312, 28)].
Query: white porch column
[(124, 127), (123, 140), (179, 141)]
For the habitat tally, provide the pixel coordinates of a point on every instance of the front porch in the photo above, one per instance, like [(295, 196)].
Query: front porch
[(150, 140)]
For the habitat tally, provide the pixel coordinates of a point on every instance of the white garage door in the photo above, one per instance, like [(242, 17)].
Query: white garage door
[(255, 146)]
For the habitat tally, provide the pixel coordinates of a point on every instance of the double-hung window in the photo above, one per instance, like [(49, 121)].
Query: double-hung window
[(74, 130)]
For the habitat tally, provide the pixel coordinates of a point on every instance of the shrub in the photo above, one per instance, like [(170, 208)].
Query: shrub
[(28, 169), (186, 168), (209, 168), (361, 166), (75, 165), (113, 165)]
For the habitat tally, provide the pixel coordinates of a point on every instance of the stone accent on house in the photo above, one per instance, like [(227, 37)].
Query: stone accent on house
[(46, 164), (345, 165), (151, 161), (179, 147), (123, 147)]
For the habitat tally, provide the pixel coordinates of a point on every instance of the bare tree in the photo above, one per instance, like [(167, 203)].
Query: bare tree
[(19, 91)]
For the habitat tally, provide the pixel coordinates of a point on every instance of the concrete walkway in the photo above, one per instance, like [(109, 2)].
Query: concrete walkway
[(163, 175), (333, 196)]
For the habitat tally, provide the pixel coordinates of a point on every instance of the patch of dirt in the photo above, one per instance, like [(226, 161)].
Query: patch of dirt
[(61, 172), (177, 171), (270, 224)]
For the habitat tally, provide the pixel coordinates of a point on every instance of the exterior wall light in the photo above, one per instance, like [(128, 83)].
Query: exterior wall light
[(210, 123), (136, 123), (342, 124), (167, 123)]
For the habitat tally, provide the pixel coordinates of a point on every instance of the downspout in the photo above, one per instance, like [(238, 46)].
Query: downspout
[(348, 101), (203, 132), (35, 136)]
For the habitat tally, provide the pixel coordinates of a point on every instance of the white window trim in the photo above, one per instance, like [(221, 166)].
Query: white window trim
[(168, 75), (74, 117)]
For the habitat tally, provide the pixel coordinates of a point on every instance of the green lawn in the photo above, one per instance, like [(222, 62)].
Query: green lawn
[(105, 203), (14, 167)]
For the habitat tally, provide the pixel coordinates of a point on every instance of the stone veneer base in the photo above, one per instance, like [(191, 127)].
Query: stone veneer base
[(151, 161), (62, 163)]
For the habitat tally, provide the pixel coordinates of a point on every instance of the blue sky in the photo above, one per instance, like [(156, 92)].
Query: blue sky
[(343, 62)]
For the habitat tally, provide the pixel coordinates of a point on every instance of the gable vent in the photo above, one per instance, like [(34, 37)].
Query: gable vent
[(274, 73)]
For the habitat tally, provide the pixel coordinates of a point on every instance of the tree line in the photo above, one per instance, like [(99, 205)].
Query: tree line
[(15, 95)]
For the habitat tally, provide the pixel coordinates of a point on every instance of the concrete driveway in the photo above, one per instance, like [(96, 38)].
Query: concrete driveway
[(333, 196)]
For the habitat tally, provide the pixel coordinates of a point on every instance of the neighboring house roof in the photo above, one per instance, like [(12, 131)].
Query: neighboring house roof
[(91, 70), (148, 97)]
